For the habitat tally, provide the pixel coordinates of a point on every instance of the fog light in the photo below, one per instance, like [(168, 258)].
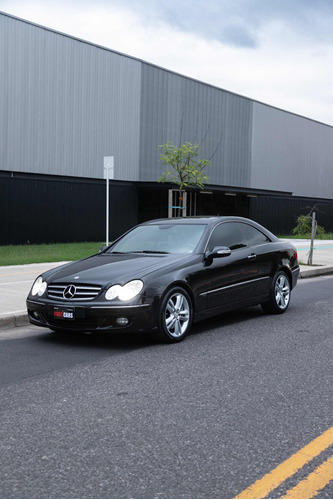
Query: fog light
[(35, 315), (122, 321)]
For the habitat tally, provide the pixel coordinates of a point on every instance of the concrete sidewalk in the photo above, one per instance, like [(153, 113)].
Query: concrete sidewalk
[(15, 284), (16, 281), (322, 262)]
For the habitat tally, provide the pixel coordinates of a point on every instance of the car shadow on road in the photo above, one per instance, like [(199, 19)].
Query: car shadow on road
[(115, 341), (227, 319)]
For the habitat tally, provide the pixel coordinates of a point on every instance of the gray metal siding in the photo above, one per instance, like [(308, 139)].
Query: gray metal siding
[(178, 109), (291, 153), (66, 104)]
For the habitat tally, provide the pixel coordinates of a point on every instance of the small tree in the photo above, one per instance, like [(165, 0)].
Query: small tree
[(304, 226), (185, 169)]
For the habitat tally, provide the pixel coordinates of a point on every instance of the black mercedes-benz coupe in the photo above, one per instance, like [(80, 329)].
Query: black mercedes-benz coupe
[(164, 274)]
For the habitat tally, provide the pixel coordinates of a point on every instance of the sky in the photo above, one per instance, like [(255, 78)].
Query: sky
[(279, 52)]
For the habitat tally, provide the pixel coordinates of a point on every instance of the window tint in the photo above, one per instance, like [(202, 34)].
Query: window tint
[(227, 234), (253, 236)]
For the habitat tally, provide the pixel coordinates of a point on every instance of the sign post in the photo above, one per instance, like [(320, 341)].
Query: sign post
[(108, 174)]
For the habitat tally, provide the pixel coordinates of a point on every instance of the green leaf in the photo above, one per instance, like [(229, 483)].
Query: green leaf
[(185, 169)]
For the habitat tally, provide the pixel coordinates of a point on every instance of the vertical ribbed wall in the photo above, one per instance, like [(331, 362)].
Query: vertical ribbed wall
[(65, 104), (290, 153), (178, 109)]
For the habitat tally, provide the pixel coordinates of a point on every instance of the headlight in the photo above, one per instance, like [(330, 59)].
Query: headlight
[(39, 287), (112, 292), (126, 292)]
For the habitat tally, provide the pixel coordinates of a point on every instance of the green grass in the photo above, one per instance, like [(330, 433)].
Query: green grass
[(32, 254)]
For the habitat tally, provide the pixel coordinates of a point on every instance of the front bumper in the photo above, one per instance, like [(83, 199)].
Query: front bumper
[(89, 317)]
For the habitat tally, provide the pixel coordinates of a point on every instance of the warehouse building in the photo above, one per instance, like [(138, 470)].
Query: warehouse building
[(66, 104)]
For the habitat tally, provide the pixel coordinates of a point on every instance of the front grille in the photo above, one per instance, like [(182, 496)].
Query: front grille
[(70, 292)]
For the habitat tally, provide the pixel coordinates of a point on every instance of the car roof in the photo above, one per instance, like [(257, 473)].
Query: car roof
[(184, 220), (209, 219)]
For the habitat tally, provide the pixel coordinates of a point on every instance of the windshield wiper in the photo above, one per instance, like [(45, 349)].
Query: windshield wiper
[(150, 251)]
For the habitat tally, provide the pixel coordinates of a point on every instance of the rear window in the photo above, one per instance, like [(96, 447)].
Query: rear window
[(253, 236)]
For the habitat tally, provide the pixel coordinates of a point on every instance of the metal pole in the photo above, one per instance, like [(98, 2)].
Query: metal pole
[(170, 203), (107, 207), (108, 173), (313, 231)]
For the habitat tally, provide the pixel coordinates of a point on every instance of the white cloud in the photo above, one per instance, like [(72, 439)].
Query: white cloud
[(287, 68)]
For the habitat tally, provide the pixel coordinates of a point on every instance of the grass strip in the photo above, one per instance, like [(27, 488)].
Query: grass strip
[(11, 255)]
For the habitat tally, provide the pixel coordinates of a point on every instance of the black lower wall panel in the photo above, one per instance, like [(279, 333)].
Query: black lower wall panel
[(37, 209), (49, 209), (280, 214)]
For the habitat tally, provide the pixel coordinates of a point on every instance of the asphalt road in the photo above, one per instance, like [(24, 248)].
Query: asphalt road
[(124, 417)]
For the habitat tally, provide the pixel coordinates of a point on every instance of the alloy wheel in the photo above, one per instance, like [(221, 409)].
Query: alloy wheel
[(282, 291), (177, 315)]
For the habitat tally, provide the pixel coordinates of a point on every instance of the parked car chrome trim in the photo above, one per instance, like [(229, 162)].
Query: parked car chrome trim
[(231, 286), (107, 306)]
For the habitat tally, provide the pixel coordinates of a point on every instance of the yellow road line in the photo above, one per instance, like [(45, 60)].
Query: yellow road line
[(289, 467), (316, 481)]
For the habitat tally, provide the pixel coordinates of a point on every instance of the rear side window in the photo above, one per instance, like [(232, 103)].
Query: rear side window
[(227, 234), (253, 236)]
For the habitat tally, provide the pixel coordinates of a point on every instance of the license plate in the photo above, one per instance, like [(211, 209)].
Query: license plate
[(64, 313)]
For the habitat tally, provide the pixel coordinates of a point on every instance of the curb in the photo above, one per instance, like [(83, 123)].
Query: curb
[(14, 320), (315, 271)]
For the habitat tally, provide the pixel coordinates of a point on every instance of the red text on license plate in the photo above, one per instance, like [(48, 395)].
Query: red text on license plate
[(59, 313)]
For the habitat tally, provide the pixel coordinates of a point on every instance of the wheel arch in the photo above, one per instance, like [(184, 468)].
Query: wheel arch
[(184, 286)]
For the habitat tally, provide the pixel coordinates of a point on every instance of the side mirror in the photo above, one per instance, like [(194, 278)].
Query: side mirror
[(216, 253)]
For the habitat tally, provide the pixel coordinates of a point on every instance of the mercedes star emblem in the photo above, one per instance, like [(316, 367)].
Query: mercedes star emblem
[(69, 292)]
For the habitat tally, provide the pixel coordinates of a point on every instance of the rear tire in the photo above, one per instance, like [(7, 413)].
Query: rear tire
[(175, 315), (279, 294)]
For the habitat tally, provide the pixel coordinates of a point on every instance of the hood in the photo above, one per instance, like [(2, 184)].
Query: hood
[(104, 269)]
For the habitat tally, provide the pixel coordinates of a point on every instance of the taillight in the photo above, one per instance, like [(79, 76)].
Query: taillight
[(296, 256)]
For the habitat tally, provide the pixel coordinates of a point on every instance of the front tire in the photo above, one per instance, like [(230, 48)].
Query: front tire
[(175, 315), (279, 294)]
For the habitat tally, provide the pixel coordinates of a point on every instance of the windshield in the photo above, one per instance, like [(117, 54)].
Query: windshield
[(163, 238)]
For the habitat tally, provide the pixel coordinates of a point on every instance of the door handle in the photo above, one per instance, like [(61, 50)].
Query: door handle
[(252, 256)]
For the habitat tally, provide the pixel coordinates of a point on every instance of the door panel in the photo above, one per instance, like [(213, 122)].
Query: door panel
[(231, 279)]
